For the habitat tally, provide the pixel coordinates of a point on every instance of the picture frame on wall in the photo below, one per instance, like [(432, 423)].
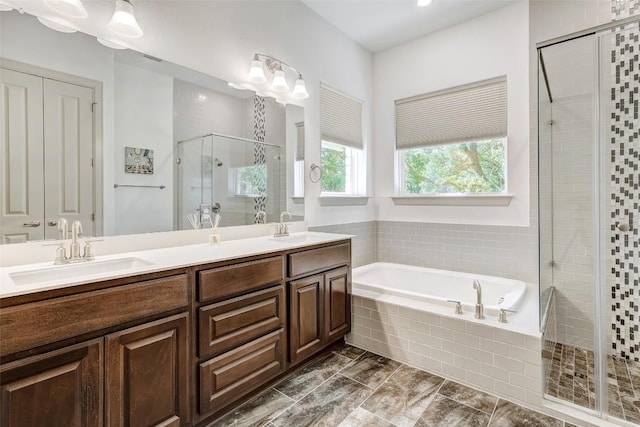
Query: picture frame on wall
[(138, 160)]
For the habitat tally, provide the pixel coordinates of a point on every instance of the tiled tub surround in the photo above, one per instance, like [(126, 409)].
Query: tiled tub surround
[(363, 243), (351, 387), (571, 377)]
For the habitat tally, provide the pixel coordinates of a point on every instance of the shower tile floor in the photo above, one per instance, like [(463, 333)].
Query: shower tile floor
[(571, 377), (350, 387)]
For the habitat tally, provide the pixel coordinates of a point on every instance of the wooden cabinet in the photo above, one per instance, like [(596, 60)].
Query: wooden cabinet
[(320, 304), (147, 374), (59, 388)]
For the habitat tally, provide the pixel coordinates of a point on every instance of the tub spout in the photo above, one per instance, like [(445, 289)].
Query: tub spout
[(479, 306)]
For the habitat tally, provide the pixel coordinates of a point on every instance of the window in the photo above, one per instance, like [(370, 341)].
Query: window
[(453, 141), (249, 181), (342, 147), (469, 167)]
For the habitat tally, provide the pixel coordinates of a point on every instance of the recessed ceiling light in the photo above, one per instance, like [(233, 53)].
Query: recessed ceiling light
[(423, 3)]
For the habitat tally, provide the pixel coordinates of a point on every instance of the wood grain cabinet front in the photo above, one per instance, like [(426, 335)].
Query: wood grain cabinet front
[(60, 388), (147, 372)]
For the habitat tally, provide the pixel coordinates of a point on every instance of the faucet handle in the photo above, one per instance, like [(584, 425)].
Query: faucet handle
[(502, 316), (61, 254), (88, 251), (458, 306)]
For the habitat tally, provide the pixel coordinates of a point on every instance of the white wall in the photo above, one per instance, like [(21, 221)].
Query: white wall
[(144, 119), (475, 50)]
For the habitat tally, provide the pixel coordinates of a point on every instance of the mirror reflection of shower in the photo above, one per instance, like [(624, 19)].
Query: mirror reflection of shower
[(220, 173)]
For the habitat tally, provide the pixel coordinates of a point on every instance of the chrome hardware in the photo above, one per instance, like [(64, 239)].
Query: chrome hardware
[(88, 251), (479, 306), (63, 228), (34, 223), (458, 306), (502, 317), (76, 230), (282, 229), (61, 255), (74, 248), (52, 222)]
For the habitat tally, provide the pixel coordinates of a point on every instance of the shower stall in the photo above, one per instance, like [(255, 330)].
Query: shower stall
[(235, 177), (589, 220)]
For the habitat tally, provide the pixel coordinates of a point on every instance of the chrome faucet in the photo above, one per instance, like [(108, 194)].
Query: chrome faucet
[(74, 249), (479, 306), (282, 229)]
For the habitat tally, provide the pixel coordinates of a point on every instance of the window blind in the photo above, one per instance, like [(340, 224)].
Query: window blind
[(340, 118), (300, 141), (471, 112)]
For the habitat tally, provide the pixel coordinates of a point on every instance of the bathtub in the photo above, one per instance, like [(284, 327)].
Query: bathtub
[(432, 286)]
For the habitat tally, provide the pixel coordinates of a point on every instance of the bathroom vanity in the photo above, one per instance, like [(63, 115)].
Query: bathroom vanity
[(177, 345)]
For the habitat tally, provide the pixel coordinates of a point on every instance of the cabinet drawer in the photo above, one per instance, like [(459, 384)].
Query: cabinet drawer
[(233, 322), (30, 325), (230, 376), (237, 279), (319, 259)]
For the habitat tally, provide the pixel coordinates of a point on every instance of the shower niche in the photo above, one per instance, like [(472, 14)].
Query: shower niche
[(589, 207)]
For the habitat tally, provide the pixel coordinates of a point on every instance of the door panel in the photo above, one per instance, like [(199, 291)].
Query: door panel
[(68, 148), (61, 388), (21, 153), (337, 303), (306, 316)]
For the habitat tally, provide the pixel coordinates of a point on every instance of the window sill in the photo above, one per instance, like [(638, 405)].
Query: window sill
[(297, 200), (343, 200), (455, 200)]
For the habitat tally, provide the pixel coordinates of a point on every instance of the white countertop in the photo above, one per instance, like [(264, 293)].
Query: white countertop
[(159, 260)]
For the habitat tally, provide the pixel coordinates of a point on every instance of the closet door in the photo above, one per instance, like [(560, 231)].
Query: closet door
[(21, 157), (68, 153)]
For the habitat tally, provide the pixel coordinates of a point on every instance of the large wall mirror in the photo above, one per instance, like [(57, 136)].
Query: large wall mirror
[(129, 143)]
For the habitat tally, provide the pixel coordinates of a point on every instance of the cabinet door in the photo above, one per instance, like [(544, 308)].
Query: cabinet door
[(337, 304), (60, 388), (306, 306), (146, 374)]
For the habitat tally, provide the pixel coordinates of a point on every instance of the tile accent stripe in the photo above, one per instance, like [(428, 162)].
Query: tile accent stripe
[(625, 186), (259, 150)]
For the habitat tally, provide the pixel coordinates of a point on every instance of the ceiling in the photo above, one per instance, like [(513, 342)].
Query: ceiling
[(381, 24)]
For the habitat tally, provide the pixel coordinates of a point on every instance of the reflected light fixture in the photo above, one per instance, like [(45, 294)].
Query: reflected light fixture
[(110, 44), (72, 8), (277, 87), (123, 22), (4, 7), (57, 24), (424, 3)]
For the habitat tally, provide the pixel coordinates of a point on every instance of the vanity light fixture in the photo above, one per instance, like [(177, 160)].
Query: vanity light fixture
[(123, 22), (424, 3), (57, 24), (108, 43), (278, 87), (4, 7), (72, 8)]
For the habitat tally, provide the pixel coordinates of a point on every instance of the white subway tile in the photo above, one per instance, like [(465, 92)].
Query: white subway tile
[(455, 324), (494, 346), (442, 356), (440, 332), (430, 364), (508, 363), (466, 339), (524, 381), (508, 337), (455, 348), (509, 391), (482, 381), (454, 372), (480, 330), (494, 372), (466, 363), (525, 355)]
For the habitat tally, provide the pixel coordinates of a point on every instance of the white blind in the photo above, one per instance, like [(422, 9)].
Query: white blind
[(300, 141), (340, 118), (465, 113)]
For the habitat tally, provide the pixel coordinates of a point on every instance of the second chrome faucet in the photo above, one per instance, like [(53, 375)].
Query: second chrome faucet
[(479, 306)]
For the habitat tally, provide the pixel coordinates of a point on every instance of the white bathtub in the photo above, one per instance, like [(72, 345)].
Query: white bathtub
[(437, 286)]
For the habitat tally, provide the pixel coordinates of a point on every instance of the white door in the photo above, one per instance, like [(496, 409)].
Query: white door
[(47, 152), (21, 154), (68, 153)]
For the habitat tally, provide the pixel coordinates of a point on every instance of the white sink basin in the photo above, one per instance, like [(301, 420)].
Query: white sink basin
[(68, 271), (304, 238)]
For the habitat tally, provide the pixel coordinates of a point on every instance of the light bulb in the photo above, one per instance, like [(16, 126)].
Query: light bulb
[(57, 24), (123, 22), (423, 3), (108, 43), (279, 83), (299, 90), (256, 72), (72, 8)]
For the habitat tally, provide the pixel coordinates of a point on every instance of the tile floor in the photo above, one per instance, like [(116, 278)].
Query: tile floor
[(571, 377), (351, 387)]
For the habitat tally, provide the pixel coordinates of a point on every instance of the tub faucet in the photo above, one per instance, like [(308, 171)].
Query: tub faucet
[(479, 306)]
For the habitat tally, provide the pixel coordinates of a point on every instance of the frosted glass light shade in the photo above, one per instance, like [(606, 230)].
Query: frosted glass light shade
[(423, 3), (299, 90), (123, 22), (57, 24), (5, 7), (72, 8), (279, 83), (256, 72)]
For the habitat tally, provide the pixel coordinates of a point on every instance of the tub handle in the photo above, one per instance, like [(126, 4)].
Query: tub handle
[(502, 317), (458, 306)]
